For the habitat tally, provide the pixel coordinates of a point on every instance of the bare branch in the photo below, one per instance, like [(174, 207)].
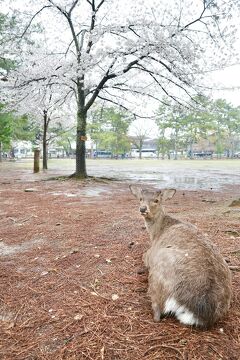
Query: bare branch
[(33, 17), (72, 7), (162, 63), (107, 77), (93, 20), (125, 108)]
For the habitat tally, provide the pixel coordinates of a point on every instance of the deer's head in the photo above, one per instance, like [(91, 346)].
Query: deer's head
[(151, 201)]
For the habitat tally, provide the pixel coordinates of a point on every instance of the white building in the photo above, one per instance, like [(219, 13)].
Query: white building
[(22, 149)]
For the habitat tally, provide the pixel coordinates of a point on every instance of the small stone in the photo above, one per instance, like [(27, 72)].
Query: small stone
[(30, 190), (115, 297), (43, 273), (235, 202), (108, 261), (74, 251), (11, 325), (78, 317), (130, 245)]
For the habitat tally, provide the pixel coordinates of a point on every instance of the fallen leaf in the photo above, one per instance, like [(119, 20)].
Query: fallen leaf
[(102, 353)]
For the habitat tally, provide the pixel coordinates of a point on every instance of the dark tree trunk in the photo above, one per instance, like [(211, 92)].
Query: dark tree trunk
[(45, 126), (81, 171), (176, 145), (36, 167), (140, 148)]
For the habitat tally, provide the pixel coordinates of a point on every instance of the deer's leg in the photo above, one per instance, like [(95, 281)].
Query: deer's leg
[(156, 312), (142, 270)]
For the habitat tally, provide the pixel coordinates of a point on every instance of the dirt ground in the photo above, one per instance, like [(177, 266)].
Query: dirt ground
[(69, 256)]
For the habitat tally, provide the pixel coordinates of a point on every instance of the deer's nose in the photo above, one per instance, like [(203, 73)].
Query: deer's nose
[(143, 209)]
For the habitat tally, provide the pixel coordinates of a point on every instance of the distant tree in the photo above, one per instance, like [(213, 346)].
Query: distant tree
[(205, 117), (198, 121), (64, 139), (172, 117), (109, 129), (140, 133), (233, 131), (162, 121), (5, 131), (164, 145), (13, 128), (226, 123)]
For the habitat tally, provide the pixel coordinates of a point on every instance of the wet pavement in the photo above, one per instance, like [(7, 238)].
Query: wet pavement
[(181, 174)]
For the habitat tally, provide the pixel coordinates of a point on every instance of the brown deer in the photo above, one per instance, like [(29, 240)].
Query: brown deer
[(187, 275)]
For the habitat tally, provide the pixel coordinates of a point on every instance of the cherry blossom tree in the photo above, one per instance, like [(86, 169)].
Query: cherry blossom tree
[(43, 100), (125, 52)]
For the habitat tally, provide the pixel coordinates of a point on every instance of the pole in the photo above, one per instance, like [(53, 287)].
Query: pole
[(36, 160)]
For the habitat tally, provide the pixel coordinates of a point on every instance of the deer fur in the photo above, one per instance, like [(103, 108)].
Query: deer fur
[(188, 277)]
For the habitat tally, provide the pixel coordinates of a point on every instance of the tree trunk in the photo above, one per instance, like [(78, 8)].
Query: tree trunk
[(36, 161), (45, 125), (176, 146), (81, 171), (70, 152), (140, 148), (191, 149)]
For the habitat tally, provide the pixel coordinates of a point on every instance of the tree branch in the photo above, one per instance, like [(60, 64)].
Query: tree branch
[(125, 108), (30, 22), (93, 20), (107, 77)]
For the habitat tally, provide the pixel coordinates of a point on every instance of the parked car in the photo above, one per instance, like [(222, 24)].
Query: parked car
[(237, 155)]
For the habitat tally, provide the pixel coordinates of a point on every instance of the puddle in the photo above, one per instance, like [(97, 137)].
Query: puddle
[(60, 193), (181, 174), (88, 192), (97, 191), (6, 250), (178, 177)]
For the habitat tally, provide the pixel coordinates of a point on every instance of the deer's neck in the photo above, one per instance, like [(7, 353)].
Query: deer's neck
[(155, 225)]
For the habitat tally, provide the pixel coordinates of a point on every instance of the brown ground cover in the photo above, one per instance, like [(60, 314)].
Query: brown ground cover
[(69, 256)]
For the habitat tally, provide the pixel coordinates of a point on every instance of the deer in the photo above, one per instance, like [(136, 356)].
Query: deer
[(187, 276)]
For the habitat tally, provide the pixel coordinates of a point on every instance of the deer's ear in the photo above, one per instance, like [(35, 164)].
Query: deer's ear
[(136, 191), (168, 194), (158, 195)]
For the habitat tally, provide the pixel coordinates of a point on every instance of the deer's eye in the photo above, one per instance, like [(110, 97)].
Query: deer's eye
[(140, 199), (156, 201)]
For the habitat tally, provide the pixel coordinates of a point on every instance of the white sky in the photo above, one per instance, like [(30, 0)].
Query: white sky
[(228, 78)]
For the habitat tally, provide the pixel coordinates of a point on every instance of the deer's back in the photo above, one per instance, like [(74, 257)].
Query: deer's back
[(184, 264)]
